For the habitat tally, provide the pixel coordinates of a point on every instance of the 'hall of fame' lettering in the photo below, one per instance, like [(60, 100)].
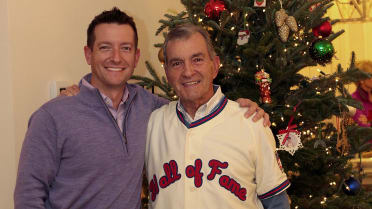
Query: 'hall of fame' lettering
[(194, 171)]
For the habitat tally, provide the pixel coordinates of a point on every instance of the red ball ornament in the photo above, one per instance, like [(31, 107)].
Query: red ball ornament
[(324, 30), (214, 8)]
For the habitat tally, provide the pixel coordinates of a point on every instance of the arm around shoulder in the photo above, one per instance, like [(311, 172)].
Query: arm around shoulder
[(38, 162)]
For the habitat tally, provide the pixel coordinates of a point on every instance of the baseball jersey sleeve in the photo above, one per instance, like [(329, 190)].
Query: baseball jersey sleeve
[(270, 177)]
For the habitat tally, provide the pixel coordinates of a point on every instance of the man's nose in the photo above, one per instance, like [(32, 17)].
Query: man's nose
[(116, 56), (188, 70)]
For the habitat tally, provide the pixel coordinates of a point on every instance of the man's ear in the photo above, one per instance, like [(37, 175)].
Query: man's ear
[(216, 63), (88, 54), (138, 54)]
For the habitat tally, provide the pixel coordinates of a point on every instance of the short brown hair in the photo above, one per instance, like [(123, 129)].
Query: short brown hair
[(115, 15)]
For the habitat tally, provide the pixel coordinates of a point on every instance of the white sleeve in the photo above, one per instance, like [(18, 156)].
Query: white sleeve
[(270, 177)]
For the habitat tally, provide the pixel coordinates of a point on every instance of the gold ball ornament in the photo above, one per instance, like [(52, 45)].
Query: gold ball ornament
[(161, 55), (284, 33), (291, 22)]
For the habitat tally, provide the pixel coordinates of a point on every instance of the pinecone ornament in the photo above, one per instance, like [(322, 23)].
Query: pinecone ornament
[(285, 23)]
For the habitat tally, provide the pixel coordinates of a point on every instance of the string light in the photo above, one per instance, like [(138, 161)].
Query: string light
[(200, 19), (232, 28), (330, 89), (273, 124), (282, 118), (221, 65), (239, 69), (285, 50), (231, 14), (194, 15), (302, 123), (270, 56), (323, 201), (310, 196), (264, 10), (245, 15)]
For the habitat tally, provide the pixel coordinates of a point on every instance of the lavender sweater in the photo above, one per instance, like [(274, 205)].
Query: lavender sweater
[(75, 156)]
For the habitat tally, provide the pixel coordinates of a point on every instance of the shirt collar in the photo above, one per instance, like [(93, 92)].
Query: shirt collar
[(105, 98), (206, 108)]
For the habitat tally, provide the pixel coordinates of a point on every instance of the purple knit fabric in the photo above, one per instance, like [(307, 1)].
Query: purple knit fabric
[(75, 156)]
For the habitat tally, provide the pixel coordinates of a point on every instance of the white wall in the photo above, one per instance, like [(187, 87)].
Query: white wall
[(41, 41), (7, 141)]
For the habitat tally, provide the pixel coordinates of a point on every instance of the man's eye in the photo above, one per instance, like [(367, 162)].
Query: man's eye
[(126, 48), (198, 59), (175, 64), (104, 48)]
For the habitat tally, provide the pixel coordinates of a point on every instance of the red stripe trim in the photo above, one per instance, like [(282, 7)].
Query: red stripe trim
[(196, 123), (276, 190)]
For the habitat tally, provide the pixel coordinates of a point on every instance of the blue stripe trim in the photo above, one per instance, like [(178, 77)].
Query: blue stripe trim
[(221, 105), (283, 186)]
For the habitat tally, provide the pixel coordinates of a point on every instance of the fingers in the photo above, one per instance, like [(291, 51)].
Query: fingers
[(70, 91), (253, 108), (259, 114), (267, 122)]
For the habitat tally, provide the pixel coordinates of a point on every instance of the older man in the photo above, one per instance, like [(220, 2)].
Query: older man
[(201, 152)]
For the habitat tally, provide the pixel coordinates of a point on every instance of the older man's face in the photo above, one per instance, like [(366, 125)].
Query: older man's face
[(190, 70)]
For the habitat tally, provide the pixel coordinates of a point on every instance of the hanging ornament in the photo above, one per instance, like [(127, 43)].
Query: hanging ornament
[(351, 186), (243, 37), (161, 55), (263, 80), (321, 51), (214, 8), (342, 145), (290, 138), (285, 24), (314, 6), (324, 29), (260, 3)]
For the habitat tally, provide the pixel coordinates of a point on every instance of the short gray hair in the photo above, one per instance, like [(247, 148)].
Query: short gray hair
[(184, 31)]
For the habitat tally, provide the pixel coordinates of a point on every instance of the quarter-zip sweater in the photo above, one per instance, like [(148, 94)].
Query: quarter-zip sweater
[(75, 156)]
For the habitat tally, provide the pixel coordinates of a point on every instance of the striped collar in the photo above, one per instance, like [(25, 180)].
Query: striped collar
[(204, 109), (217, 110)]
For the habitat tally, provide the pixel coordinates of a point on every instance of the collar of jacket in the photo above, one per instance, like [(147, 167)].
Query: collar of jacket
[(92, 97)]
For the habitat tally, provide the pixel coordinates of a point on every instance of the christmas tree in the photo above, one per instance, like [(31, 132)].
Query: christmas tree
[(263, 45)]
